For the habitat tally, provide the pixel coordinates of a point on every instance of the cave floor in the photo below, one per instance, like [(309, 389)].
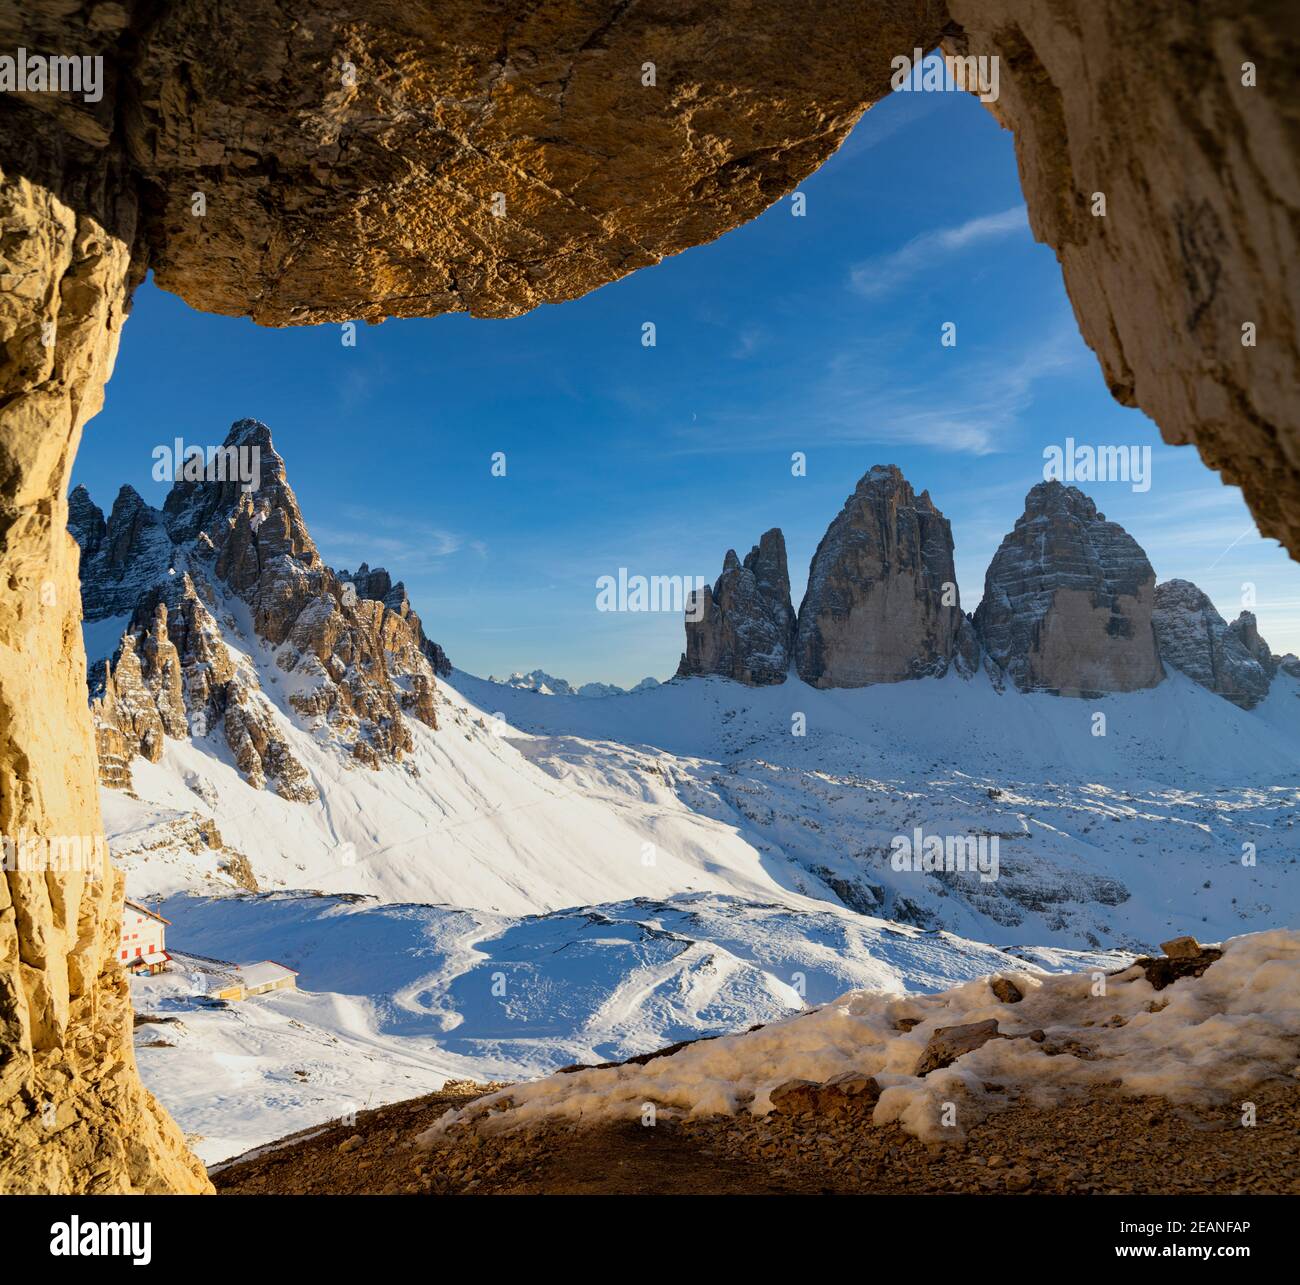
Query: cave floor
[(1098, 1145)]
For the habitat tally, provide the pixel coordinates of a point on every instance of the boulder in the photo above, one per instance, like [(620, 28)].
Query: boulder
[(948, 1043), (1006, 990), (849, 1093), (1184, 957)]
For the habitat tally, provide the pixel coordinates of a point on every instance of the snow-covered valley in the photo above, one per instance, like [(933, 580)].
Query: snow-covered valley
[(550, 879), (492, 879)]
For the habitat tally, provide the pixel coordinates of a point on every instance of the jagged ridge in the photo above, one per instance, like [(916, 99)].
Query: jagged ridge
[(217, 559)]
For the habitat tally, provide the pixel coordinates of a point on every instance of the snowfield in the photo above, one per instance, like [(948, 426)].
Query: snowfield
[(550, 879), (521, 803), (395, 999), (1207, 1038)]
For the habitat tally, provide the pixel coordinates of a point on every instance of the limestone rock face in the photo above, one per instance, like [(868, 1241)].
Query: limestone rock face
[(120, 558), (358, 651), (378, 585), (1067, 601), (1246, 629), (881, 604), (1194, 638), (1201, 175), (480, 157), (74, 1116), (747, 624)]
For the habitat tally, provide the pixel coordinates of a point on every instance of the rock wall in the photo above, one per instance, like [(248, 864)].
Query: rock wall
[(1067, 601), (746, 623), (1144, 101), (881, 603), (74, 1116), (374, 158)]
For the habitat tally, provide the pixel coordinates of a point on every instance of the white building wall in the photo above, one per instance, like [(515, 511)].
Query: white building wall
[(141, 935)]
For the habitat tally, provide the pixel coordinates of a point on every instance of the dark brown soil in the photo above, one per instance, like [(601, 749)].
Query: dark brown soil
[(1096, 1145)]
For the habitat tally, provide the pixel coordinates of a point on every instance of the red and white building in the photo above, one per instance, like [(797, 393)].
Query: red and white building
[(143, 948)]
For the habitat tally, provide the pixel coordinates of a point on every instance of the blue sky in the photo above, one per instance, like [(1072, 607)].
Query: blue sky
[(818, 334)]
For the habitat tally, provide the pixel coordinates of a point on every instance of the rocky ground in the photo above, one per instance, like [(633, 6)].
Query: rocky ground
[(1100, 1145)]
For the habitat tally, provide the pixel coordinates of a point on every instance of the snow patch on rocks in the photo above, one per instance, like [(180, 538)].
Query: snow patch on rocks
[(1203, 1039)]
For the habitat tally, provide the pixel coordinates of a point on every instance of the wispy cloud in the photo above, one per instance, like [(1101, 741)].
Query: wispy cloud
[(861, 399), (367, 535), (750, 339), (875, 277), (975, 411)]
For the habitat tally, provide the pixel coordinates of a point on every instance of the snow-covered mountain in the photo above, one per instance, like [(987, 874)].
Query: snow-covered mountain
[(544, 684), (473, 880)]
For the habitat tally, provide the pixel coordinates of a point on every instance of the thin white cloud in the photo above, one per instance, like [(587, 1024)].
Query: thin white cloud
[(875, 277), (383, 540), (750, 339), (861, 400), (975, 411)]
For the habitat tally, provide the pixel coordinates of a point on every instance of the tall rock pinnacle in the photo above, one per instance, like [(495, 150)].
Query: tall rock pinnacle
[(881, 604), (1231, 660), (746, 622)]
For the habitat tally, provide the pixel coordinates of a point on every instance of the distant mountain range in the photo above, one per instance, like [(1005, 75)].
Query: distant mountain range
[(538, 680)]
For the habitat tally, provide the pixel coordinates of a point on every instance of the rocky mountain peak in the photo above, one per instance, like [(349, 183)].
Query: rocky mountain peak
[(1194, 638), (85, 519), (1246, 629), (120, 556), (746, 623), (882, 602), (1068, 599), (1055, 499), (1070, 606), (233, 533), (245, 487)]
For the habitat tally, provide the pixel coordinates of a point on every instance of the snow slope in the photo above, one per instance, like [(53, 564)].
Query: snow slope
[(1202, 1039), (549, 879), (394, 999), (521, 803), (1115, 839)]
